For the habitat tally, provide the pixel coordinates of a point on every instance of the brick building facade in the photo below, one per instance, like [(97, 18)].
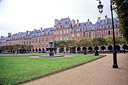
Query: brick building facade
[(64, 29)]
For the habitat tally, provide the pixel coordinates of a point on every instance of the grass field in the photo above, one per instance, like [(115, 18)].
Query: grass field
[(19, 69)]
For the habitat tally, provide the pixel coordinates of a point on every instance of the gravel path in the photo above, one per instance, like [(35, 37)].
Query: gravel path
[(99, 72)]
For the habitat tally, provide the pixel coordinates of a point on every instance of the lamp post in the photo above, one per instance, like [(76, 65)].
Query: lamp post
[(100, 7)]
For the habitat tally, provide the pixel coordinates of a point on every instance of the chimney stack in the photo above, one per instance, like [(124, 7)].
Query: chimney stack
[(9, 34), (77, 22), (41, 28), (73, 22), (99, 19), (34, 30), (106, 18), (2, 36), (88, 21)]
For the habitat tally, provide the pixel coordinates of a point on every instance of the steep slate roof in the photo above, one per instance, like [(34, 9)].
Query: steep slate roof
[(49, 30), (103, 22), (88, 26), (63, 22), (37, 32), (3, 39)]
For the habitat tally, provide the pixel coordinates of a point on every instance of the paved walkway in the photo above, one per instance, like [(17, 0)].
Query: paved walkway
[(99, 72)]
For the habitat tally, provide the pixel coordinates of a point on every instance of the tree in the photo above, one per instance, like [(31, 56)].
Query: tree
[(119, 40), (122, 12), (75, 43), (85, 42), (16, 47), (61, 43), (109, 41), (99, 41)]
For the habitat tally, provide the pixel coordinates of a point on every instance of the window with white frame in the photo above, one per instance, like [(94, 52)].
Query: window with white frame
[(95, 33), (83, 34), (64, 31), (60, 32), (60, 38), (109, 26), (67, 37), (64, 37), (116, 31), (78, 35), (89, 34), (72, 35), (102, 32)]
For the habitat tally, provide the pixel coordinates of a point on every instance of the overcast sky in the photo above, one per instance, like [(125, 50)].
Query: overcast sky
[(21, 15)]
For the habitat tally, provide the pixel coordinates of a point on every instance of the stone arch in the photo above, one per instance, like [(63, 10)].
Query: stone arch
[(96, 48), (43, 50), (125, 47), (39, 49), (30, 50), (84, 48), (61, 50), (90, 48), (36, 50), (33, 50), (78, 49), (110, 47), (103, 47), (67, 49), (117, 47), (72, 50)]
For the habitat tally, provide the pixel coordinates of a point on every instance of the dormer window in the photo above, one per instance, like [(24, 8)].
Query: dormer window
[(72, 35), (60, 32), (83, 29), (67, 31), (61, 26), (64, 31), (108, 26), (78, 35), (101, 27), (67, 20), (67, 25)]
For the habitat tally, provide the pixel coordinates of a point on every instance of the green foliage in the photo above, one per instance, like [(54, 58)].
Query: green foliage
[(21, 69), (122, 12), (90, 42), (15, 47), (99, 41), (85, 42), (110, 41), (118, 40), (61, 43)]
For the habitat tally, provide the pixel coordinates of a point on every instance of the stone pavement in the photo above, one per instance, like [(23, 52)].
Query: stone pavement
[(99, 72)]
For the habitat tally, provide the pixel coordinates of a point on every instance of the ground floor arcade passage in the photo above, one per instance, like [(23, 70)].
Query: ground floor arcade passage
[(108, 48)]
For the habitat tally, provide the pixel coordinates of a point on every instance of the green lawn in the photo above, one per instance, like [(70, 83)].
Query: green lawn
[(19, 55), (15, 69)]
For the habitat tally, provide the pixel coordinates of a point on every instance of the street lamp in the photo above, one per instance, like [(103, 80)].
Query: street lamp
[(100, 6)]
